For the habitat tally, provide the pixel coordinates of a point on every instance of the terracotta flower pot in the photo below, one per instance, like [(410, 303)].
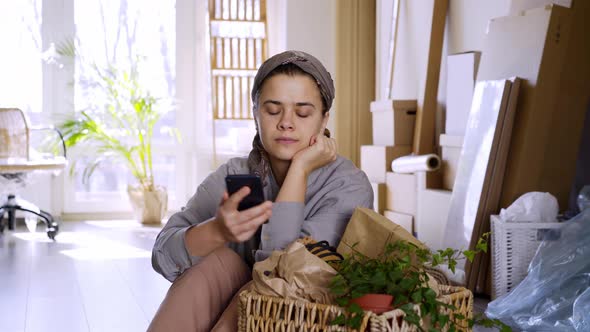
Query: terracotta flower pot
[(377, 303)]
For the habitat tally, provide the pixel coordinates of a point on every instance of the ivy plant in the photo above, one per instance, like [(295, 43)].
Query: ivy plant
[(401, 271)]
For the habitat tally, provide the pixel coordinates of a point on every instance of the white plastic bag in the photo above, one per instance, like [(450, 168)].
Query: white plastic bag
[(554, 296), (532, 207)]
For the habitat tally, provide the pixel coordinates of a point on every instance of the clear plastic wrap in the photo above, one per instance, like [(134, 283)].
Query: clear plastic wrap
[(555, 295), (581, 318), (584, 198)]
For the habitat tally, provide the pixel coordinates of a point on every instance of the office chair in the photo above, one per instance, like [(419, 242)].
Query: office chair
[(18, 161)]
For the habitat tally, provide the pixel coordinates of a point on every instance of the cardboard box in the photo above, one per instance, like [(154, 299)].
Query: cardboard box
[(402, 219), (393, 122), (548, 48), (451, 152), (461, 74), (431, 216), (379, 197), (517, 7), (401, 193), (376, 160), (432, 210)]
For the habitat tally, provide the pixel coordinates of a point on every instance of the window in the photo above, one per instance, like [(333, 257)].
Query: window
[(124, 33), (175, 38), (239, 45), (20, 65)]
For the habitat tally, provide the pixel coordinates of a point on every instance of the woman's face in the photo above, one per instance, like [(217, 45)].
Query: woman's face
[(289, 113)]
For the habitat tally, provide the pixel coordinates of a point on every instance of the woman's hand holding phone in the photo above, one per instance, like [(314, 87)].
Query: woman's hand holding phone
[(240, 226)]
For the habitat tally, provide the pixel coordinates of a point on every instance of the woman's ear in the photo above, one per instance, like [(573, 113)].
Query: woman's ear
[(325, 119)]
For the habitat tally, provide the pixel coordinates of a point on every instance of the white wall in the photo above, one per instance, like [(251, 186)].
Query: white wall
[(311, 27), (465, 30)]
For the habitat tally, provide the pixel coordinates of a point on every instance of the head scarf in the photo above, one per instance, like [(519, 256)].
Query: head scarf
[(258, 159), (306, 62)]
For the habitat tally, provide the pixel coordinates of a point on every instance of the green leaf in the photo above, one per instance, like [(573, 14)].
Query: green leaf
[(417, 296), (436, 260), (341, 301), (407, 284), (412, 318), (378, 278), (355, 308), (452, 265), (469, 254), (482, 245), (406, 259), (401, 298), (448, 252), (430, 294), (395, 275), (340, 320), (407, 308), (355, 321)]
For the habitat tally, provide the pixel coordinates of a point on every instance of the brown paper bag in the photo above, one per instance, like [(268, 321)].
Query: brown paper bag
[(370, 232), (294, 273)]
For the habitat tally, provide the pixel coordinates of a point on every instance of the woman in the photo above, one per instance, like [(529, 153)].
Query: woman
[(310, 191)]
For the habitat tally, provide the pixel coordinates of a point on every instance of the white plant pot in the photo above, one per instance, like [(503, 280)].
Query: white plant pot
[(149, 207)]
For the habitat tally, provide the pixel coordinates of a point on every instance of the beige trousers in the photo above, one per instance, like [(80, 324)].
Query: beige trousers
[(201, 298)]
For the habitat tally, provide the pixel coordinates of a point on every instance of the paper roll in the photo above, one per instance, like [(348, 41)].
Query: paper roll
[(411, 164)]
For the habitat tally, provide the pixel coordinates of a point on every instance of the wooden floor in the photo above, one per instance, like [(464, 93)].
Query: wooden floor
[(96, 276)]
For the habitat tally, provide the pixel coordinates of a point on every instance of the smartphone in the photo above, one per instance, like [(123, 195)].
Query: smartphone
[(238, 181)]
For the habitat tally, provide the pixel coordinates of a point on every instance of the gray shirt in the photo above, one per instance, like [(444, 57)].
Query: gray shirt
[(333, 192)]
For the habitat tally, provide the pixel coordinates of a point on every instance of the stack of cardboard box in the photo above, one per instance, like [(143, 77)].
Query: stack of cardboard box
[(410, 200), (393, 132)]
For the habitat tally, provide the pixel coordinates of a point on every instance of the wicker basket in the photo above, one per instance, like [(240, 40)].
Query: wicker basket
[(459, 297), (266, 313), (514, 244)]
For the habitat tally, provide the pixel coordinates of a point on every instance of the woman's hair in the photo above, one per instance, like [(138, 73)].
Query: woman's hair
[(258, 160)]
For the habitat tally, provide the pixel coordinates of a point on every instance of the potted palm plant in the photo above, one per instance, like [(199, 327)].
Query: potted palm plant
[(119, 125)]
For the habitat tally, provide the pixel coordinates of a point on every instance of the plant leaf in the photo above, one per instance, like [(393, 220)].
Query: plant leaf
[(417, 296), (339, 320), (469, 254)]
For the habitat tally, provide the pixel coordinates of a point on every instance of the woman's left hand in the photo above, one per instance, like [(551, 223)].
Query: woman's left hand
[(320, 152)]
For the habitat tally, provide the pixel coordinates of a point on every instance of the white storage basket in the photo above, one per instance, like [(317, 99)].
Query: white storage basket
[(514, 244)]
